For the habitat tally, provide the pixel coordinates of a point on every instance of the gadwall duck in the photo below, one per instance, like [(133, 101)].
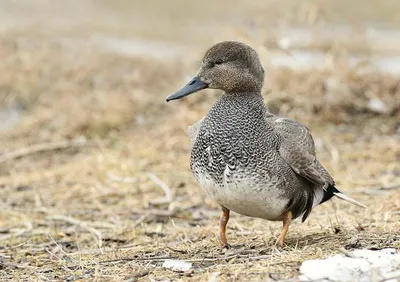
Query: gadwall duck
[(247, 159)]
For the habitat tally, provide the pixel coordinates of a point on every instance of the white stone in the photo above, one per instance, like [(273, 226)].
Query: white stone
[(378, 106), (362, 267), (177, 265)]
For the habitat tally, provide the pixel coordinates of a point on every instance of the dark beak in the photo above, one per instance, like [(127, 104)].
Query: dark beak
[(193, 86)]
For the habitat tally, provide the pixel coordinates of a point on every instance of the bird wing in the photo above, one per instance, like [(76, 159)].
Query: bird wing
[(193, 131), (298, 150)]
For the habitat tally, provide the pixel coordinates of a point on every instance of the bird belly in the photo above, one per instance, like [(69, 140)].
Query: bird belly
[(245, 195)]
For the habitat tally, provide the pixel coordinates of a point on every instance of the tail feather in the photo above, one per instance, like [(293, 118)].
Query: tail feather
[(333, 191), (346, 198)]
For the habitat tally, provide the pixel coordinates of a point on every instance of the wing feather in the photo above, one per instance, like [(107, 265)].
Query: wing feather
[(298, 150)]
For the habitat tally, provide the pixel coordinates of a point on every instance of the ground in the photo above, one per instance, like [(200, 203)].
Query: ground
[(95, 181)]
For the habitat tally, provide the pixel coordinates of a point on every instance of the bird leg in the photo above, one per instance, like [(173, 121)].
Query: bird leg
[(287, 218), (223, 221)]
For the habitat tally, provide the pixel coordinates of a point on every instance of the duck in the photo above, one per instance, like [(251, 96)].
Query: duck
[(247, 159)]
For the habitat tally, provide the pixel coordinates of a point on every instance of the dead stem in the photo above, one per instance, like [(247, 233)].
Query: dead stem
[(19, 232), (44, 147), (168, 194), (83, 225), (122, 179)]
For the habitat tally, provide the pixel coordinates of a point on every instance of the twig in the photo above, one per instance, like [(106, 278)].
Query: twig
[(164, 258), (54, 255), (391, 187), (81, 224), (238, 226), (176, 250), (260, 257), (20, 232), (381, 189), (58, 246), (155, 212), (168, 195), (347, 253), (189, 260), (139, 221), (43, 147), (122, 179), (106, 250), (20, 245), (15, 265)]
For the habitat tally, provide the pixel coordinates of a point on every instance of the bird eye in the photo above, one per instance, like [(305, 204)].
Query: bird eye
[(218, 62)]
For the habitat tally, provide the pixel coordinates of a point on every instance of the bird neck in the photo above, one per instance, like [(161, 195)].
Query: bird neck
[(243, 98), (240, 104)]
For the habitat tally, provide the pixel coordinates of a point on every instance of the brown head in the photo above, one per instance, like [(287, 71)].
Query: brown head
[(230, 66)]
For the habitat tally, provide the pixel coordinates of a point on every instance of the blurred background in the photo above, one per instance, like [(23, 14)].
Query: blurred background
[(94, 164)]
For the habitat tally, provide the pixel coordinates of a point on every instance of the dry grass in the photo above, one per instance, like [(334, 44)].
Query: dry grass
[(119, 204)]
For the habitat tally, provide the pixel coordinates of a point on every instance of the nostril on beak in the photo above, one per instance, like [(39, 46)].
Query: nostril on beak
[(192, 82)]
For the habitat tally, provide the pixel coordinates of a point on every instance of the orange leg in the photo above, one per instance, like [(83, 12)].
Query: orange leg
[(223, 221), (287, 218)]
